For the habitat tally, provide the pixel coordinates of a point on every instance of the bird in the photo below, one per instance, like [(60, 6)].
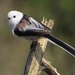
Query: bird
[(24, 26)]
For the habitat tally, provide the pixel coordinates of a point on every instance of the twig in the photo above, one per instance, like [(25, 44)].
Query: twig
[(48, 68), (30, 57), (35, 57)]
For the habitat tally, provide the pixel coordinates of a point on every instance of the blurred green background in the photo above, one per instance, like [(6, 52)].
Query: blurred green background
[(14, 51)]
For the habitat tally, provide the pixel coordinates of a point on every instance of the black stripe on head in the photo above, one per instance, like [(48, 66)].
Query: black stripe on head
[(26, 17)]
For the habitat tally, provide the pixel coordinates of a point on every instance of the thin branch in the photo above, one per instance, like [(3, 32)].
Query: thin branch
[(30, 57), (48, 68), (35, 57)]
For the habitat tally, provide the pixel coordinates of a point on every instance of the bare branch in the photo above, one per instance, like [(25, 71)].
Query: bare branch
[(48, 68)]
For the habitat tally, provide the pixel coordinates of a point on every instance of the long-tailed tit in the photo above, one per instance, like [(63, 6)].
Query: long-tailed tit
[(26, 27)]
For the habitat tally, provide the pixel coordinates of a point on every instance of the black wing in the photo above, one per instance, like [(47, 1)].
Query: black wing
[(30, 32)]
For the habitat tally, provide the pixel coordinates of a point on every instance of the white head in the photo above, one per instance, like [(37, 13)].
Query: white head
[(13, 18)]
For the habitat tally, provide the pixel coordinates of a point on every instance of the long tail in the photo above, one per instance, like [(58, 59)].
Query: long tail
[(61, 44)]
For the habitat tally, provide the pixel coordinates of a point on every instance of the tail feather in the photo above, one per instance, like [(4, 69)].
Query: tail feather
[(61, 44)]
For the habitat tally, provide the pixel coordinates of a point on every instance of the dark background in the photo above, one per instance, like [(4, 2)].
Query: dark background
[(14, 51)]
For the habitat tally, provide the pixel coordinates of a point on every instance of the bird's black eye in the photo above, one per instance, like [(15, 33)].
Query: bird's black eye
[(14, 16)]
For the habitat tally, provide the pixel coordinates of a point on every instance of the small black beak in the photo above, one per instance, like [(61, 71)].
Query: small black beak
[(8, 18)]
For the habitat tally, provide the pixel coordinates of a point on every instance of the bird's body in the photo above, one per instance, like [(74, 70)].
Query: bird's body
[(26, 27), (25, 23)]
